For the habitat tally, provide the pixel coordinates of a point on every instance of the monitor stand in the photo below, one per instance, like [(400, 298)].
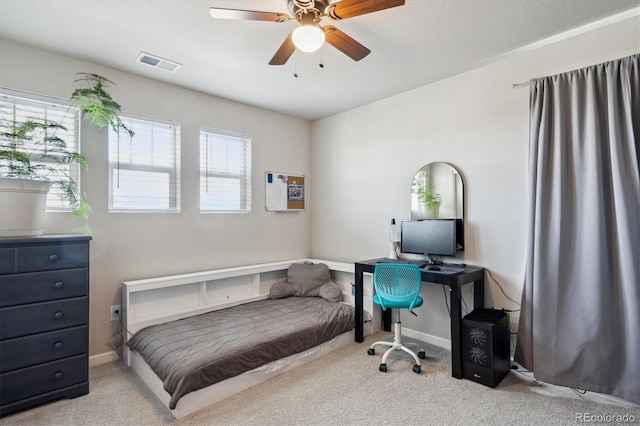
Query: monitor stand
[(433, 260)]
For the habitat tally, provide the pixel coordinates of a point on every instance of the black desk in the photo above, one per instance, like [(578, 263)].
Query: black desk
[(455, 280)]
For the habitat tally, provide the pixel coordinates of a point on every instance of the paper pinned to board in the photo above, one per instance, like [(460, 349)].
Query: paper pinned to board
[(284, 192)]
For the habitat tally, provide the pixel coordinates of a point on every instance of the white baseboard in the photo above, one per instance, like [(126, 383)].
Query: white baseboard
[(103, 358), (428, 338)]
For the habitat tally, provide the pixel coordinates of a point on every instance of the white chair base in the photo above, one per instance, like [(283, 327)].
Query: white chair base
[(397, 345)]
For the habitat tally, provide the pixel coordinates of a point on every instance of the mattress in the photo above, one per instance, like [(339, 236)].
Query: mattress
[(196, 352)]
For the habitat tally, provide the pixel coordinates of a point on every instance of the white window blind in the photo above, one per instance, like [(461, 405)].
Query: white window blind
[(225, 172), (16, 108), (144, 170)]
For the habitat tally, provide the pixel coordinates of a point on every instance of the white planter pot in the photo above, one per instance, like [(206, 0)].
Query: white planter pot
[(433, 210), (22, 207)]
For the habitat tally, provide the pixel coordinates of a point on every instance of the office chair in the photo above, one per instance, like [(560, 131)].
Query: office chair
[(397, 287)]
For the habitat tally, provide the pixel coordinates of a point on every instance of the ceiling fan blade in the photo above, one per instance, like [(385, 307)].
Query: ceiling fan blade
[(350, 8), (249, 15), (284, 52), (344, 43)]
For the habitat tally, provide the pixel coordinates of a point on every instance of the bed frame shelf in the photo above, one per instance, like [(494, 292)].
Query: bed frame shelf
[(142, 322)]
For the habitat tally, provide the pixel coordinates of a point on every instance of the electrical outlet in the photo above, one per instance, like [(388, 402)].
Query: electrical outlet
[(115, 313)]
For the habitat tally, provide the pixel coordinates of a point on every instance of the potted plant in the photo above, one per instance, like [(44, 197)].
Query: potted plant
[(25, 179), (29, 151), (429, 197)]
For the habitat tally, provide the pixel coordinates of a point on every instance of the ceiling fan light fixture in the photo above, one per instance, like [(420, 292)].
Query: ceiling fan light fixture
[(308, 38)]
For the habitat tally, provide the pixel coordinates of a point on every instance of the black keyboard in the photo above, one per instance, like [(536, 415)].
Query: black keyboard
[(449, 268), (421, 263)]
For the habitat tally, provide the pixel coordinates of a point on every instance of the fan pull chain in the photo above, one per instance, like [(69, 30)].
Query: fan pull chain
[(295, 68), (321, 64)]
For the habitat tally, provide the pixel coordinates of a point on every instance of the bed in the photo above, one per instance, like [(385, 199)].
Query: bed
[(253, 337)]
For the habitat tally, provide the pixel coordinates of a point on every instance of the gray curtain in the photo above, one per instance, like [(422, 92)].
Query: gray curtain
[(580, 322)]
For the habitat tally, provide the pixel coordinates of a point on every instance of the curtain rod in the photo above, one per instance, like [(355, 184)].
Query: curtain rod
[(516, 85)]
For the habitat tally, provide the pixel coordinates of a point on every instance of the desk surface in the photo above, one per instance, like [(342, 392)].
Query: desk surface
[(450, 272)]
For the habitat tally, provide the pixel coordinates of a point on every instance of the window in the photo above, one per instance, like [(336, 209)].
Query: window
[(225, 172), (15, 107), (144, 171)]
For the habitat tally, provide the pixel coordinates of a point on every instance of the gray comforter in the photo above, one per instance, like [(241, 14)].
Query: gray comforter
[(196, 352)]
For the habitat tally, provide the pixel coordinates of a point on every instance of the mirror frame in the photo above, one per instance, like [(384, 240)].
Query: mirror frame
[(430, 182)]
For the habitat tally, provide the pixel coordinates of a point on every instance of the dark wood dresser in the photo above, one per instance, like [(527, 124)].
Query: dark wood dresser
[(44, 320)]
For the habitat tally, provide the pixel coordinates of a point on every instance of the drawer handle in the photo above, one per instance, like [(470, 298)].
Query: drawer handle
[(58, 284), (54, 257), (58, 315), (58, 375), (58, 345)]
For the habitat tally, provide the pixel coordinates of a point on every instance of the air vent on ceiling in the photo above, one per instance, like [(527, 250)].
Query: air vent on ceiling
[(157, 62)]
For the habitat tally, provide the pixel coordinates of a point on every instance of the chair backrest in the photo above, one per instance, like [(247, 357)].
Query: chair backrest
[(398, 283)]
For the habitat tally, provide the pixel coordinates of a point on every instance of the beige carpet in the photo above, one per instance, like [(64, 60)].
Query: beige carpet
[(341, 388)]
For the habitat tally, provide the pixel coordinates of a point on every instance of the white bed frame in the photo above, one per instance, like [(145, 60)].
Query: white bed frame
[(159, 300)]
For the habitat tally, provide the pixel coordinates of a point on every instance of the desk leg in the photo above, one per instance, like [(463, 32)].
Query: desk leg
[(359, 304), (478, 293), (386, 319), (455, 299)]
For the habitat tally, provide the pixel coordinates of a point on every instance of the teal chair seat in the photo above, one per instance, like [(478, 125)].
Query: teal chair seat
[(397, 304)]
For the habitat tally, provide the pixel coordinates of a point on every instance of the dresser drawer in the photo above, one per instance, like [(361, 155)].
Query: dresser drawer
[(42, 378), (7, 260), (38, 348), (18, 289), (16, 321), (49, 257)]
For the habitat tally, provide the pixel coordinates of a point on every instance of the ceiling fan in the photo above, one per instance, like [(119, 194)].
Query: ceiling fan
[(310, 36)]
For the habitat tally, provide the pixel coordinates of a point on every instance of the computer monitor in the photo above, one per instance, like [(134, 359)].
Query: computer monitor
[(429, 237)]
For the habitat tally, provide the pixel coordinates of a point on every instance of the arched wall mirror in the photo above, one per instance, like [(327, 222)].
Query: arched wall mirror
[(437, 192)]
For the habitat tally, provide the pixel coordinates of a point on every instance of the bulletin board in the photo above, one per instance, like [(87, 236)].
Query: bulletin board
[(284, 193)]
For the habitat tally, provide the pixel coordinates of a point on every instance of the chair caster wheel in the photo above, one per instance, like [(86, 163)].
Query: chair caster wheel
[(422, 355), (371, 351), (416, 369), (383, 368)]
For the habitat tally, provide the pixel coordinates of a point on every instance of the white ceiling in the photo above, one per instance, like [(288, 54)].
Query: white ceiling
[(412, 45)]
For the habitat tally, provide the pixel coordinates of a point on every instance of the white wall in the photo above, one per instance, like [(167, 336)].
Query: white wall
[(363, 162), (133, 246)]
